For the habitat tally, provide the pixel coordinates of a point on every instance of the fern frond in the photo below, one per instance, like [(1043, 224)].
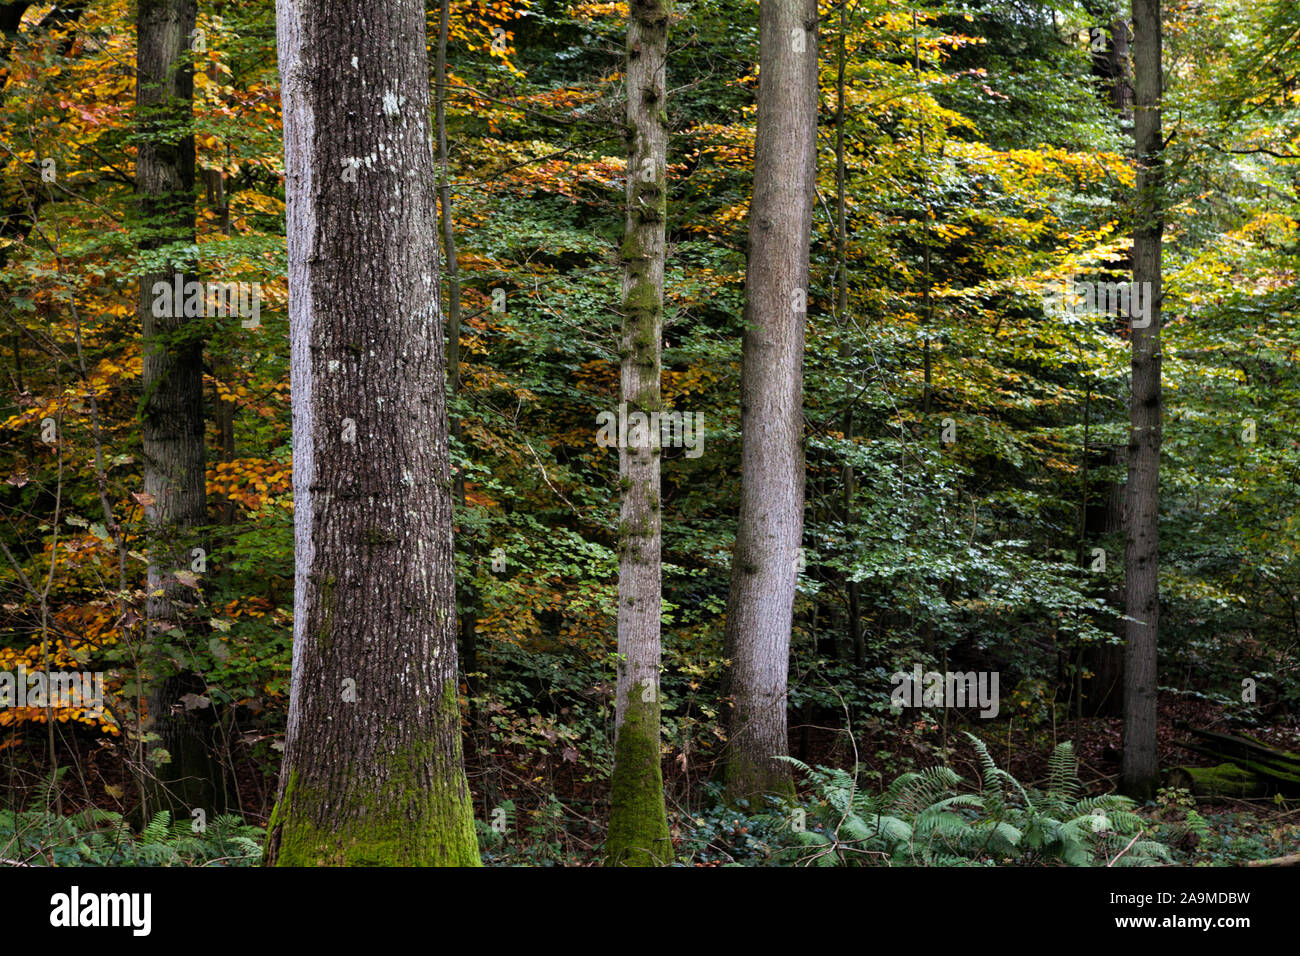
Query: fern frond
[(1062, 777), (157, 829)]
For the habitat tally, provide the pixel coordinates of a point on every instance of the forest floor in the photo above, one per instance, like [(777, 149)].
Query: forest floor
[(557, 804)]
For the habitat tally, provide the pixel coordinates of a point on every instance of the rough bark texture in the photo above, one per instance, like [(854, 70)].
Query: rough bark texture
[(638, 825), (1139, 775), (373, 773), (172, 406), (770, 527)]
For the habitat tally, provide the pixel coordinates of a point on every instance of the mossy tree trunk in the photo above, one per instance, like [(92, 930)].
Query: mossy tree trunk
[(1140, 771), (172, 423), (638, 825), (373, 772), (770, 527)]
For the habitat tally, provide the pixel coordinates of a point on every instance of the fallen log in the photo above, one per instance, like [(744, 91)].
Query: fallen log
[(1248, 746), (1225, 780), (1278, 768)]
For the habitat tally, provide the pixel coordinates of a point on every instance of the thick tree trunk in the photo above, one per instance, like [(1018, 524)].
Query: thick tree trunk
[(770, 527), (638, 825), (1139, 774), (373, 773), (172, 408)]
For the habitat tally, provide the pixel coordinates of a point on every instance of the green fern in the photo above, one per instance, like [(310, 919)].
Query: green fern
[(925, 818), (102, 838)]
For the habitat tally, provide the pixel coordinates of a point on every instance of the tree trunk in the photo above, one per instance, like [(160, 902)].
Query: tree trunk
[(851, 588), (770, 526), (467, 594), (638, 824), (1139, 775), (1121, 90), (1105, 690), (225, 409), (373, 772), (172, 407)]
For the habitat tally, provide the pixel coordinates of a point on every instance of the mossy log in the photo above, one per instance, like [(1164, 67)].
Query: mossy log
[(1225, 780), (1279, 768)]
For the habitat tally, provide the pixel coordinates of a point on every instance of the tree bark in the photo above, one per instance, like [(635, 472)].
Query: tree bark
[(172, 422), (638, 824), (1139, 775), (373, 772), (770, 526)]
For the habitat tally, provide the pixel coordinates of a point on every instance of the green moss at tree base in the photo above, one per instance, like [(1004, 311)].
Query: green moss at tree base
[(410, 818), (638, 823)]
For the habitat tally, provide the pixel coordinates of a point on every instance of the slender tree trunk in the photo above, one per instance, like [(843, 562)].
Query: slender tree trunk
[(214, 181), (856, 641), (1106, 661), (373, 772), (467, 595), (172, 407), (1139, 775), (927, 391), (770, 527), (638, 824), (1121, 90)]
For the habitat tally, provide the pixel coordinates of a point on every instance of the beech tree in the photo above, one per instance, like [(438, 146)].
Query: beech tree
[(1140, 771), (770, 526), (373, 772), (172, 421), (638, 824)]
